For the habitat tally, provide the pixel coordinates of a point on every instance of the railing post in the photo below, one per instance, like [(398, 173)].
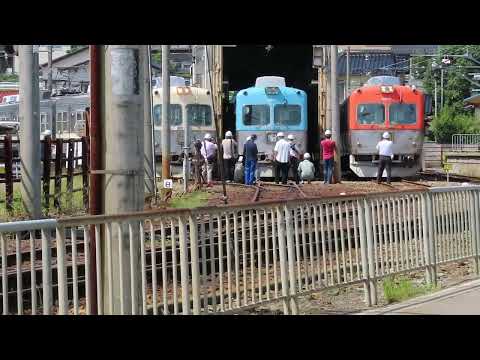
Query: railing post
[(370, 252), (291, 259), (283, 259), (431, 238), (363, 252), (61, 272), (184, 273), (46, 272), (426, 241), (475, 227), (195, 264), (70, 157)]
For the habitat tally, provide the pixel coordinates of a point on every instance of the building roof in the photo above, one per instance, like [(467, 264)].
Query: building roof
[(362, 63), (73, 53), (475, 100)]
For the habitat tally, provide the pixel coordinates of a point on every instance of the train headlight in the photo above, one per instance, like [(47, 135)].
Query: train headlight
[(386, 89), (272, 90)]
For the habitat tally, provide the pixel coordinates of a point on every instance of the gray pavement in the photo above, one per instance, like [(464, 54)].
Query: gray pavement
[(463, 299)]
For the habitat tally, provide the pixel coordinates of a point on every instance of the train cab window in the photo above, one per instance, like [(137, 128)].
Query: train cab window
[(256, 115), (175, 114), (199, 115), (403, 114), (371, 114), (287, 115)]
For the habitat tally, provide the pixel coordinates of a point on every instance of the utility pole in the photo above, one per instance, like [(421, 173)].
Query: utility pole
[(124, 175), (165, 112), (50, 56), (441, 88), (348, 72), (30, 130), (96, 131), (435, 94), (149, 155), (328, 119), (335, 113)]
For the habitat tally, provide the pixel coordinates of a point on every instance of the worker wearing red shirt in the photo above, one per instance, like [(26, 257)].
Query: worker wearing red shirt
[(328, 149)]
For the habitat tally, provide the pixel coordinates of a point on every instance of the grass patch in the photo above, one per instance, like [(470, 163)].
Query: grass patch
[(190, 200), (19, 212), (400, 289)]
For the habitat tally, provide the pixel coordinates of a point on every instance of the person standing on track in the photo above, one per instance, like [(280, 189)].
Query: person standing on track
[(328, 150), (230, 154), (250, 154), (281, 154), (209, 153), (294, 158), (385, 151)]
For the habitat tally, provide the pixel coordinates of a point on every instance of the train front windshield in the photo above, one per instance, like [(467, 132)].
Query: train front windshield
[(403, 114)]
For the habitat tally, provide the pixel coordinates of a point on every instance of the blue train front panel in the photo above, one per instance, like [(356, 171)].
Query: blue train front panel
[(265, 111)]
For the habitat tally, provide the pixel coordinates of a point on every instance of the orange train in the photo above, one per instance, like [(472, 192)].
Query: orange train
[(383, 104)]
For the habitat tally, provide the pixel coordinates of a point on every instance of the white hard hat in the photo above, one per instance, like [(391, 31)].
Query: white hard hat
[(207, 137), (249, 138), (386, 135), (291, 137), (228, 134), (280, 134), (47, 133), (328, 132), (306, 156)]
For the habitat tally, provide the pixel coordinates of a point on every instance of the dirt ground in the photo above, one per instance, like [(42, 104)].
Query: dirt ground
[(350, 299), (241, 194)]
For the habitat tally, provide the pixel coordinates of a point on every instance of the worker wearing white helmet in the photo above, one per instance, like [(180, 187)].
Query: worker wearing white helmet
[(385, 152), (306, 170), (230, 155), (294, 157), (281, 154), (328, 149), (209, 153)]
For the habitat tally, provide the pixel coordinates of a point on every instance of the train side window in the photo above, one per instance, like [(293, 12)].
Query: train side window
[(175, 115), (403, 114), (287, 114), (371, 114), (256, 115), (43, 122), (199, 115)]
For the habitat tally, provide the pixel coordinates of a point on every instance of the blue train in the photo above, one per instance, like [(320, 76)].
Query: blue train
[(265, 109)]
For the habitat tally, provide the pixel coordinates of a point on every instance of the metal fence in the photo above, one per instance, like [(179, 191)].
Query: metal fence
[(220, 260), (466, 142)]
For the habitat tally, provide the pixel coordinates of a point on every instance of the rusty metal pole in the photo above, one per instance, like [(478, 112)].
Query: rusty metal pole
[(217, 109), (165, 113), (95, 158)]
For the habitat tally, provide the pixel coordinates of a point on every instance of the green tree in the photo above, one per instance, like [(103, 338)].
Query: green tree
[(456, 88), (449, 121)]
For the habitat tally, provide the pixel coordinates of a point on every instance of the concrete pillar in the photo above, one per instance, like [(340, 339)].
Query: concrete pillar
[(124, 172), (29, 116)]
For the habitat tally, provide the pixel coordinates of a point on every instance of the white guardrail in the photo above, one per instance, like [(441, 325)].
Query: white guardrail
[(466, 142), (219, 260)]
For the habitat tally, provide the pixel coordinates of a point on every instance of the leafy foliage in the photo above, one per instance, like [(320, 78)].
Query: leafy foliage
[(450, 121), (9, 77), (402, 288), (456, 88)]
